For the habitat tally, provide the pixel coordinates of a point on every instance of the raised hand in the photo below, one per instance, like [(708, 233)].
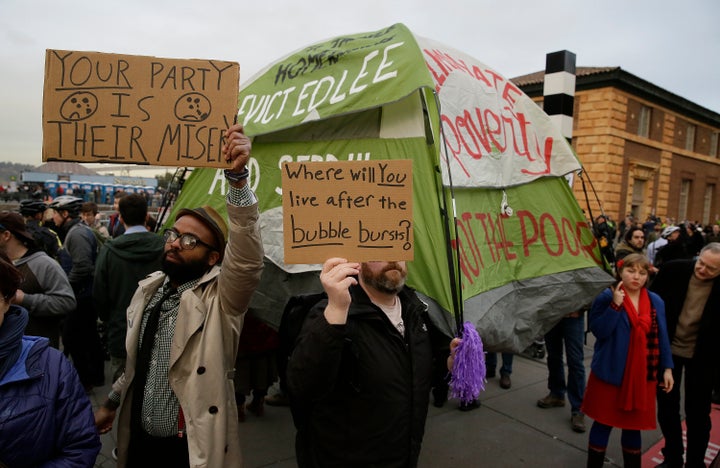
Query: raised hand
[(337, 276), (618, 294)]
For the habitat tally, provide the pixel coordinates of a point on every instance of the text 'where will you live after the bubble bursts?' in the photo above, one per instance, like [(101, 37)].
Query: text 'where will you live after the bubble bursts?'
[(347, 208)]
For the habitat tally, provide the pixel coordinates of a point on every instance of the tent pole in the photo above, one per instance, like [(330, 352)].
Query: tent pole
[(606, 265), (453, 267), (171, 194)]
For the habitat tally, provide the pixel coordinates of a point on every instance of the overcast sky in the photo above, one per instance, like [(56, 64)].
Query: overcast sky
[(672, 44)]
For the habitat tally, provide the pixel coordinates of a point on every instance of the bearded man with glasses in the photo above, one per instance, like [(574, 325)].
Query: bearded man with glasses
[(176, 397)]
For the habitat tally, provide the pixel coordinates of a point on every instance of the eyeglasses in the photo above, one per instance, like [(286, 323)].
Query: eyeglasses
[(187, 241)]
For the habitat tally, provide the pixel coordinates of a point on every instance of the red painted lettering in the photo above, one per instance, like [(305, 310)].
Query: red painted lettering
[(526, 218), (547, 221)]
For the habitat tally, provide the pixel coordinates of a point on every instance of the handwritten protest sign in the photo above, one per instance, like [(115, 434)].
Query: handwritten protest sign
[(359, 210), (100, 107)]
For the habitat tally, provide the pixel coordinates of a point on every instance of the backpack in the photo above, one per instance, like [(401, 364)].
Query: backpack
[(92, 239), (45, 239), (99, 238)]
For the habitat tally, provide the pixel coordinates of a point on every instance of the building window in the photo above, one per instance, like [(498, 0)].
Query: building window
[(707, 203), (644, 121), (714, 144), (684, 197), (690, 138), (638, 198)]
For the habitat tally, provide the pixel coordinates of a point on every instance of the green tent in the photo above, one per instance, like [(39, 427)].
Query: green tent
[(499, 239)]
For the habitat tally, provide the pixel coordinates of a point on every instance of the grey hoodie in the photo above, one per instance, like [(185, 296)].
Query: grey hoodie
[(48, 294)]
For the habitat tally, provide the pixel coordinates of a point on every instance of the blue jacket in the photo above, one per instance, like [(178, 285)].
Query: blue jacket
[(46, 419), (612, 338)]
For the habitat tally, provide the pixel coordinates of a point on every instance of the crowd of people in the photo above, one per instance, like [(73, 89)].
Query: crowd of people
[(185, 352), (685, 239)]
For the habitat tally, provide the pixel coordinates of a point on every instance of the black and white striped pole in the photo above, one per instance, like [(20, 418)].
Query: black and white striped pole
[(559, 90), (558, 103)]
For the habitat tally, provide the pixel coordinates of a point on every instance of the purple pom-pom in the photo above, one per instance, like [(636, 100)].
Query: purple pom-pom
[(468, 373)]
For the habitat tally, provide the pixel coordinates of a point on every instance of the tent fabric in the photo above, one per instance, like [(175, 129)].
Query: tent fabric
[(276, 286), (499, 238)]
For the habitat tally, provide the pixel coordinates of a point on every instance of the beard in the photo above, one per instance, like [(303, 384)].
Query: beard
[(180, 270), (390, 279)]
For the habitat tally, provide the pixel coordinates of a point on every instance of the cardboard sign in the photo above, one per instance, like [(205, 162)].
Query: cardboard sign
[(359, 210), (114, 108)]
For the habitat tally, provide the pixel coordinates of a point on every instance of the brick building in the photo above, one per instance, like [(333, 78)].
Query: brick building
[(644, 150)]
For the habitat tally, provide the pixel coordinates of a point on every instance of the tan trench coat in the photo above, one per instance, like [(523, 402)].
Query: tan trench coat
[(204, 346)]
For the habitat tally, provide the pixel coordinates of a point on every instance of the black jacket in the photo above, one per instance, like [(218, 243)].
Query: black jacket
[(675, 250), (671, 284), (363, 387)]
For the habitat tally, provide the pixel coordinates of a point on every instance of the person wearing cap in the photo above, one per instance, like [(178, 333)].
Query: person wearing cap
[(47, 239), (176, 397), (674, 249), (45, 290), (690, 289)]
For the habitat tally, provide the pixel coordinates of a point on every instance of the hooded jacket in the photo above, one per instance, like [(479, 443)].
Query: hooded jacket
[(121, 264), (46, 418), (48, 294)]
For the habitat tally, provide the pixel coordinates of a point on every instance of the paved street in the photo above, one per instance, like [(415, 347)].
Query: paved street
[(508, 430)]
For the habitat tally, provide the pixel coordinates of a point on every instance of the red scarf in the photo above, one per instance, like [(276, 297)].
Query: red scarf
[(632, 391)]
